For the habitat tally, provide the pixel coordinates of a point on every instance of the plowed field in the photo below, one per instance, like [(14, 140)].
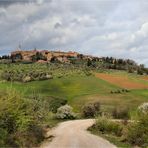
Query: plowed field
[(122, 81)]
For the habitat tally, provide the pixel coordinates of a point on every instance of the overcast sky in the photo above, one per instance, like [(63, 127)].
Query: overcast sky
[(117, 28)]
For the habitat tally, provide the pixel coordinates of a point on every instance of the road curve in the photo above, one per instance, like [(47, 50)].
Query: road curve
[(73, 134)]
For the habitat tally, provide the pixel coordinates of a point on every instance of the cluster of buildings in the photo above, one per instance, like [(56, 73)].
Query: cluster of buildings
[(45, 55)]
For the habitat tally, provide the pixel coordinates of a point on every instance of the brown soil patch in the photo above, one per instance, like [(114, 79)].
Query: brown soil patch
[(145, 78), (121, 81)]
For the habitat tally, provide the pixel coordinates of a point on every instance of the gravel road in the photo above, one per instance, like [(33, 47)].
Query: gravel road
[(74, 134)]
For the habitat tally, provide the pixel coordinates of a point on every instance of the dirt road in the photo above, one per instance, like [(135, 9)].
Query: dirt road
[(73, 134)]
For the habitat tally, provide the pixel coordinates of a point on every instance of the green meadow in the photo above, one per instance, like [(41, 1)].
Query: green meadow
[(79, 90)]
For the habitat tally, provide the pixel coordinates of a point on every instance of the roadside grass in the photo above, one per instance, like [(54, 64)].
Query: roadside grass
[(123, 133), (113, 139), (51, 121)]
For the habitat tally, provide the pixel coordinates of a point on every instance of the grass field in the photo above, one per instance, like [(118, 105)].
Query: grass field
[(79, 90), (68, 87)]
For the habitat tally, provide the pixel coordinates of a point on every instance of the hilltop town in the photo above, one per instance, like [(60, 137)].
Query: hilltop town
[(42, 55), (47, 56)]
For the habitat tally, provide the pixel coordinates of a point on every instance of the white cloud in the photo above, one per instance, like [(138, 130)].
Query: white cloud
[(143, 30), (105, 28)]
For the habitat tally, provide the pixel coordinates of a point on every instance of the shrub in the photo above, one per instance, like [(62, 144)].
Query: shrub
[(3, 137), (130, 70), (143, 108), (120, 113), (26, 79), (91, 109), (106, 114), (23, 75), (97, 106), (106, 126), (65, 112), (17, 117), (140, 71), (88, 73), (22, 138), (111, 92), (123, 90), (126, 90), (138, 132), (49, 76), (118, 91), (55, 103)]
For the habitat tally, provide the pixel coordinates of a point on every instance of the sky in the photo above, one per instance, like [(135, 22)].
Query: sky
[(117, 28)]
